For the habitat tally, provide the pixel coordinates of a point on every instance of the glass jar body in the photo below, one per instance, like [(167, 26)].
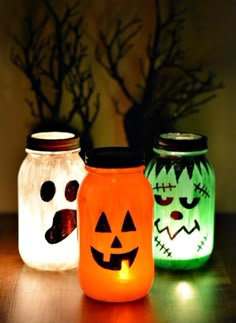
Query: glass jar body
[(184, 209), (116, 223), (47, 189)]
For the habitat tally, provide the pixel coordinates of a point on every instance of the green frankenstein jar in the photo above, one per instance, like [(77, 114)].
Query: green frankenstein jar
[(183, 184)]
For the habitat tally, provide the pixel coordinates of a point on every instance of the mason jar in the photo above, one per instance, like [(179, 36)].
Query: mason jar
[(183, 184), (48, 181), (115, 222)]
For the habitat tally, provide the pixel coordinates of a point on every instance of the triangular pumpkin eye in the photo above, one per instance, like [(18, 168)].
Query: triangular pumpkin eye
[(103, 225), (128, 224)]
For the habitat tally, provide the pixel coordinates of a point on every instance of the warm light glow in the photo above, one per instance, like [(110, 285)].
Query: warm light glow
[(185, 291), (184, 192), (115, 224), (53, 135), (47, 186), (124, 272)]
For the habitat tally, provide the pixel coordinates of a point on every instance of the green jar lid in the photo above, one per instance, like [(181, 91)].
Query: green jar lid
[(181, 142)]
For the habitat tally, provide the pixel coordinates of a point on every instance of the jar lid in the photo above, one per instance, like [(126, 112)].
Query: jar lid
[(52, 141), (182, 142), (114, 157)]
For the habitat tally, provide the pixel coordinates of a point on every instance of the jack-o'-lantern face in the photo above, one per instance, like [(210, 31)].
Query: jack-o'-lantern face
[(118, 254), (183, 217), (64, 220)]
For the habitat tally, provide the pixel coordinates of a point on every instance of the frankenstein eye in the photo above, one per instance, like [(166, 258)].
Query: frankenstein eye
[(184, 202), (161, 201)]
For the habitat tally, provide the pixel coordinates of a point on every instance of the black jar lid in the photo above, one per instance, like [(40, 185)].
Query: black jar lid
[(182, 142), (114, 157), (52, 141)]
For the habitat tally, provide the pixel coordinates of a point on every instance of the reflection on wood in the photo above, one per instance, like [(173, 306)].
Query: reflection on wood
[(198, 296)]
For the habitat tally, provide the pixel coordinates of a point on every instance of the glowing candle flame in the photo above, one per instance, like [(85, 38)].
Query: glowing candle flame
[(124, 272)]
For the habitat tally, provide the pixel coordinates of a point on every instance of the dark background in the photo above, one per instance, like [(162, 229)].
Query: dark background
[(209, 38)]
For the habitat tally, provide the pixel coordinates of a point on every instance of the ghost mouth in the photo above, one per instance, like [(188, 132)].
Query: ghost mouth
[(64, 223), (183, 228), (115, 260)]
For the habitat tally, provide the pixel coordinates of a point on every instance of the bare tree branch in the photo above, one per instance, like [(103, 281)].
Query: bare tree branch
[(53, 58), (168, 88), (116, 48)]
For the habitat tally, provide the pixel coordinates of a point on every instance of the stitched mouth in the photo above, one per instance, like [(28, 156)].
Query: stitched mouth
[(183, 228), (64, 223), (115, 260)]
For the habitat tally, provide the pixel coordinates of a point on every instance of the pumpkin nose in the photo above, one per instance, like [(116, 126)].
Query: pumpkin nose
[(116, 243), (176, 215)]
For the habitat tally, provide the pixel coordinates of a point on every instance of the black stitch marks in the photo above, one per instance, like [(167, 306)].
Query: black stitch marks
[(164, 187), (202, 243), (162, 247), (166, 251), (202, 190)]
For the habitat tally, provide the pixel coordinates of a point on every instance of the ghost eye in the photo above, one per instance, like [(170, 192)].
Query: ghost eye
[(162, 201), (186, 205), (47, 191), (71, 190)]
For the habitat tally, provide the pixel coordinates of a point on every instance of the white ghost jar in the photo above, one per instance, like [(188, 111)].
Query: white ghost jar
[(48, 181)]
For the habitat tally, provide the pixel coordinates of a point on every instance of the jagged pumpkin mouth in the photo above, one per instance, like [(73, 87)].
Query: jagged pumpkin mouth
[(115, 261)]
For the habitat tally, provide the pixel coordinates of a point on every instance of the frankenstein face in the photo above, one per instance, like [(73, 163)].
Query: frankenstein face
[(184, 198)]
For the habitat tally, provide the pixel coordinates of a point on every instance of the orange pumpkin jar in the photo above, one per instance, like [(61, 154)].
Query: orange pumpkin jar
[(115, 203)]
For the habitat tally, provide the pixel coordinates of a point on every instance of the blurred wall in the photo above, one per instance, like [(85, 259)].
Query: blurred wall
[(209, 36)]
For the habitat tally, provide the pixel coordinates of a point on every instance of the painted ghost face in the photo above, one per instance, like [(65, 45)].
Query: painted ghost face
[(64, 220), (184, 210), (47, 207), (48, 182)]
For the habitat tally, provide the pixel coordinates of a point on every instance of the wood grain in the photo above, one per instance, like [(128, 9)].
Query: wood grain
[(204, 295)]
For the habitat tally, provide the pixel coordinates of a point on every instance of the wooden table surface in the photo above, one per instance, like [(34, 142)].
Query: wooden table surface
[(204, 295)]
